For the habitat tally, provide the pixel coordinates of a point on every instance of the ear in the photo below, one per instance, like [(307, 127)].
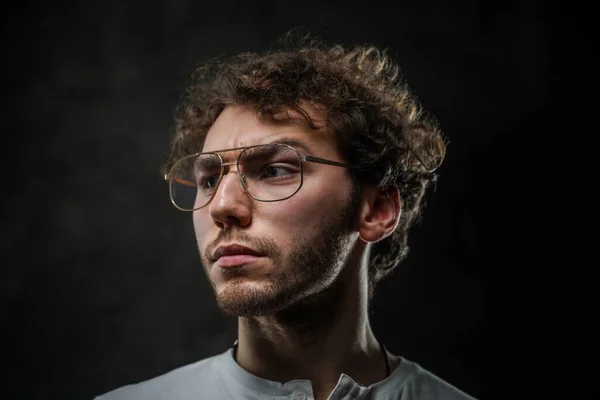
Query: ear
[(379, 213)]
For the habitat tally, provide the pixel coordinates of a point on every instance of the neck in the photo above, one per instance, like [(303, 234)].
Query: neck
[(317, 339)]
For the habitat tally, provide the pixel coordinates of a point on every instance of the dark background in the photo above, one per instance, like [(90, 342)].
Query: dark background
[(101, 283)]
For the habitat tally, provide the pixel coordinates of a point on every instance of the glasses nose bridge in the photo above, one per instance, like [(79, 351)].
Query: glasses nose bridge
[(236, 162), (226, 168)]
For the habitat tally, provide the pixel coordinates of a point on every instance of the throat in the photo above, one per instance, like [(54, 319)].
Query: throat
[(384, 353)]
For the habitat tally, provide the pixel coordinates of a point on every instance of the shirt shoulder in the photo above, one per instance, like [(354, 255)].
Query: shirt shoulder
[(193, 381), (422, 384)]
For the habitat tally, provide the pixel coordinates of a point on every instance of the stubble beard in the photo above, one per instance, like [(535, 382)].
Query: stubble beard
[(310, 269)]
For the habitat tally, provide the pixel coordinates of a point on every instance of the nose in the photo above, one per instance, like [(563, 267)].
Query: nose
[(231, 205)]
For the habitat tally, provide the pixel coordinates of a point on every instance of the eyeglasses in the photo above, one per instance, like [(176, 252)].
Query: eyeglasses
[(267, 172)]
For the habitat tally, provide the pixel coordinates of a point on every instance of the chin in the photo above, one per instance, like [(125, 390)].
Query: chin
[(244, 298)]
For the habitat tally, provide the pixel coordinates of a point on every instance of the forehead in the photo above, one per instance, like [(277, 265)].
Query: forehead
[(238, 126)]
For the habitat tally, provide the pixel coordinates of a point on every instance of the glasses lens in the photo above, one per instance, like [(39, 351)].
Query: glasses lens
[(271, 172), (194, 180)]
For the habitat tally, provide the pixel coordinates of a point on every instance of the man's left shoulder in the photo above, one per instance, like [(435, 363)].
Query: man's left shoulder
[(422, 384)]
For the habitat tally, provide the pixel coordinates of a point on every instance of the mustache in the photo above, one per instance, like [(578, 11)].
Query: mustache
[(261, 245)]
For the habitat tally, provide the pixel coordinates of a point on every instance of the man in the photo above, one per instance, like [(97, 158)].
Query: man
[(303, 170)]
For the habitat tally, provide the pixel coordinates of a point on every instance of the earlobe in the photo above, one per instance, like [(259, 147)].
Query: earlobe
[(380, 214)]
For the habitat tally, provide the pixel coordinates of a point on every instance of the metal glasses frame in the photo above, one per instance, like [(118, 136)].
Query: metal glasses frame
[(301, 159)]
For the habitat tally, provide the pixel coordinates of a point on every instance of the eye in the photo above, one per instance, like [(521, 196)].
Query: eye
[(277, 171), (208, 182)]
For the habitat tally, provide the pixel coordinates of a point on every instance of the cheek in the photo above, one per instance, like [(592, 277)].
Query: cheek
[(301, 214), (202, 222)]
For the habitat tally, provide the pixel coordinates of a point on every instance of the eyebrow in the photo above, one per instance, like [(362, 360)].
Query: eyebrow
[(297, 144), (206, 163)]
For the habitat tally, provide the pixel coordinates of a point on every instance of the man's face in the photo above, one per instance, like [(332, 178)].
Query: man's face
[(294, 248)]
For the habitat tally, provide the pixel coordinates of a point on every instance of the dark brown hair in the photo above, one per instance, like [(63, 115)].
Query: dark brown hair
[(360, 95)]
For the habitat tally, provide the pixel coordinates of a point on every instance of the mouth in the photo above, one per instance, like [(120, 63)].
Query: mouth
[(234, 255)]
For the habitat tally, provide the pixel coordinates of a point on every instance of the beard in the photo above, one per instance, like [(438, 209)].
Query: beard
[(307, 271)]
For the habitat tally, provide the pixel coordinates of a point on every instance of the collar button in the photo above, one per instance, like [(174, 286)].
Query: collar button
[(299, 396)]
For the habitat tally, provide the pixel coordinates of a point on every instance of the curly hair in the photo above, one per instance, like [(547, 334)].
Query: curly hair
[(379, 125)]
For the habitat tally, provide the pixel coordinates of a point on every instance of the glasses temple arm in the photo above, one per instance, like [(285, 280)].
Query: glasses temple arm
[(323, 161), (182, 181)]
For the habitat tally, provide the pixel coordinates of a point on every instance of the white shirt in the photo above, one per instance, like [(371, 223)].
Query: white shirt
[(221, 378)]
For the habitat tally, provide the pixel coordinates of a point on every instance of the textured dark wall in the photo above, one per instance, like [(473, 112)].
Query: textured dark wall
[(101, 282)]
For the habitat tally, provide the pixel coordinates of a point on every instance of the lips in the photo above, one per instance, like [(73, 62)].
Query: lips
[(234, 254)]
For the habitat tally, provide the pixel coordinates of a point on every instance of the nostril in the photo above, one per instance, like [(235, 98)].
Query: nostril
[(234, 219)]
